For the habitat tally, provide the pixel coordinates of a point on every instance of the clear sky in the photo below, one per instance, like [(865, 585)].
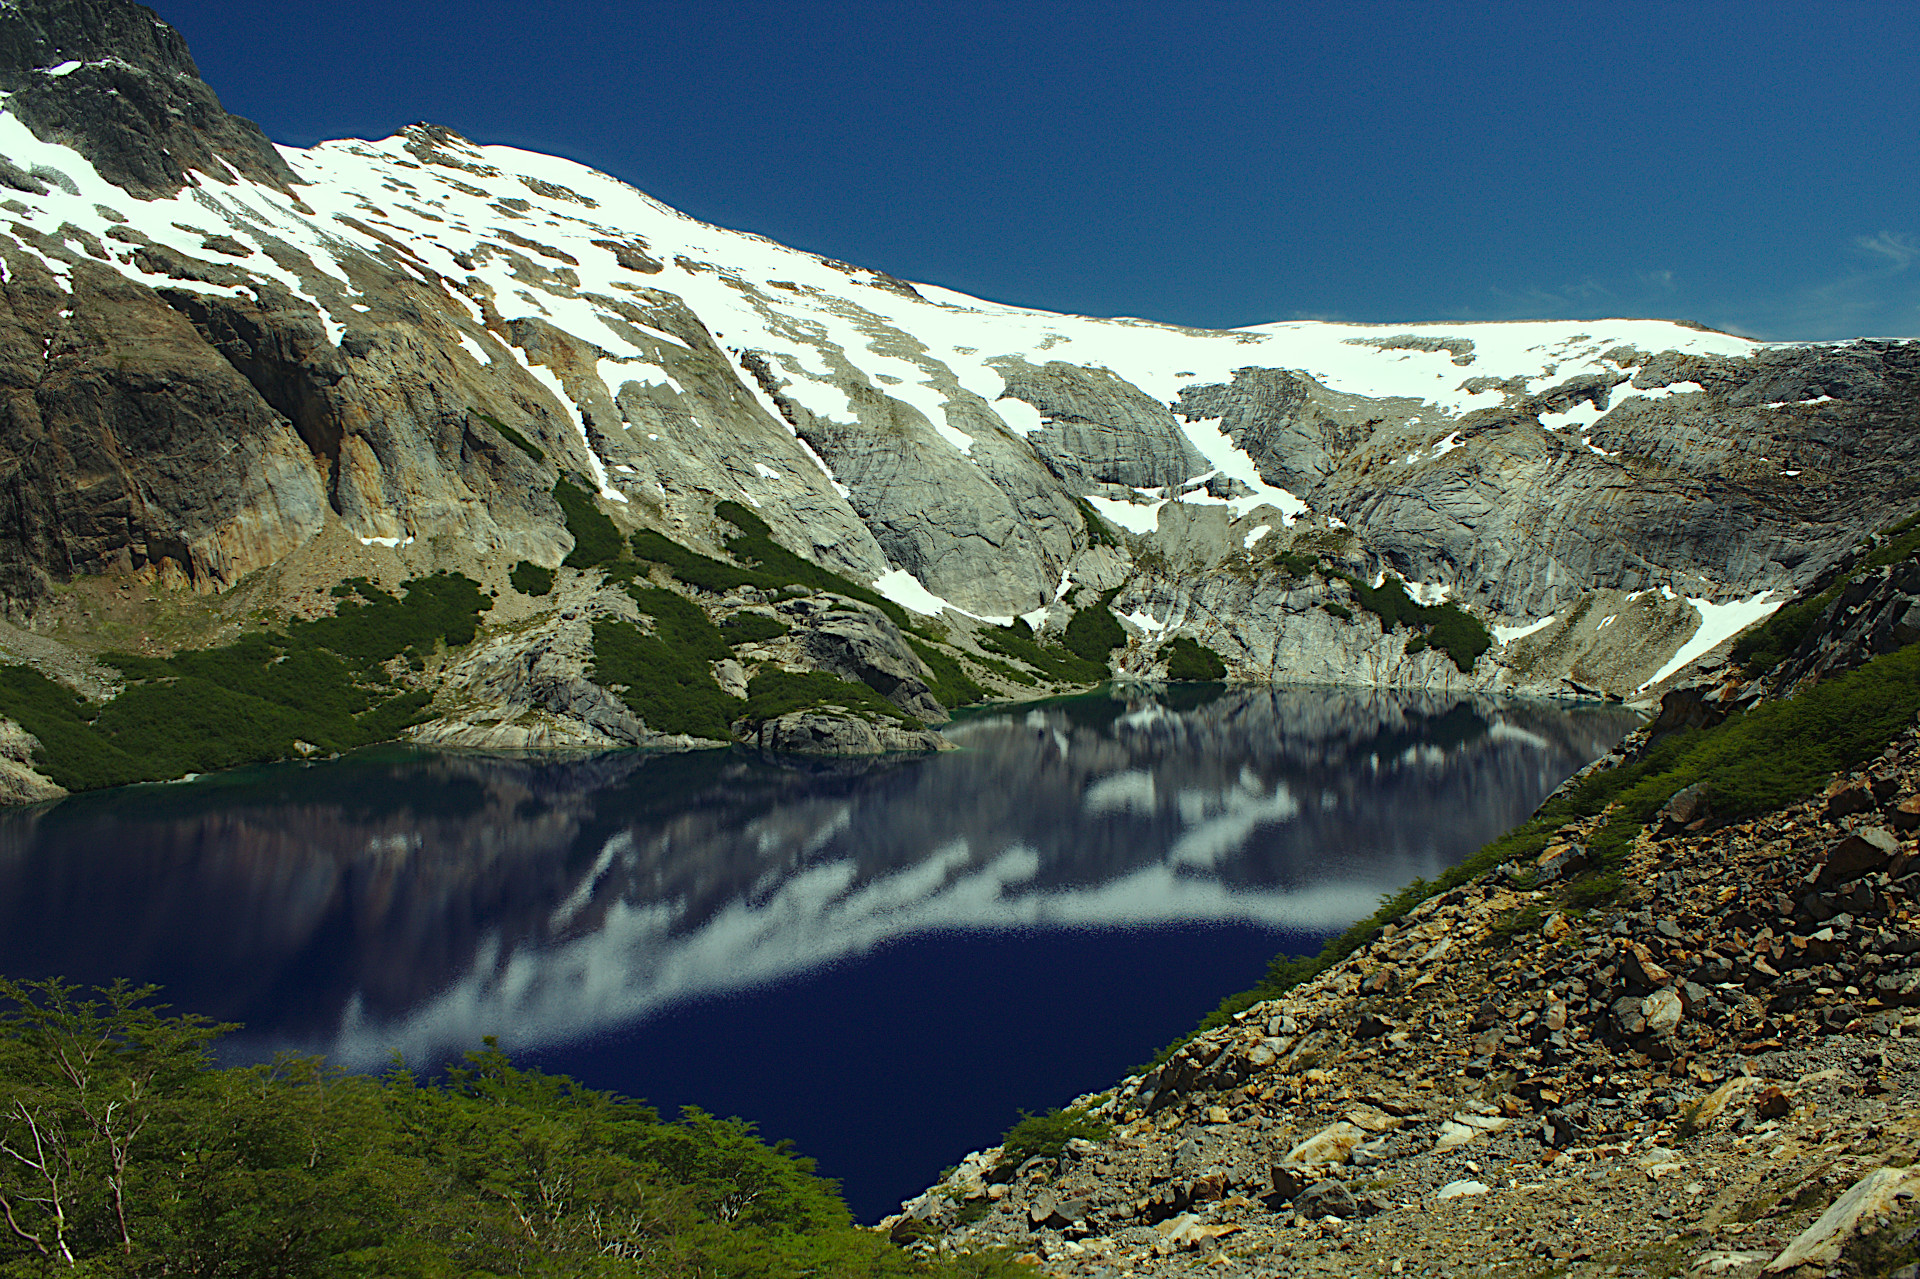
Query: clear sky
[(1753, 166)]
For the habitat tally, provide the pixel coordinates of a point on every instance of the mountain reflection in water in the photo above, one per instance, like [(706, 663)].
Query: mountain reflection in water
[(417, 901)]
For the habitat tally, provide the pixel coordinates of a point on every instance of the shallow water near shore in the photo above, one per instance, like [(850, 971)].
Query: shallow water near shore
[(882, 959)]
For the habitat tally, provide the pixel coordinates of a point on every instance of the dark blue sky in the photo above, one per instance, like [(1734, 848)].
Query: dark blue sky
[(1751, 165)]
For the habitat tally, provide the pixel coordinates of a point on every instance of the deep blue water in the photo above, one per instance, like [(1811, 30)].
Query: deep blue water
[(884, 960)]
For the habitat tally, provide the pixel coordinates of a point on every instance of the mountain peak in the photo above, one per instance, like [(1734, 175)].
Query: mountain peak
[(111, 80)]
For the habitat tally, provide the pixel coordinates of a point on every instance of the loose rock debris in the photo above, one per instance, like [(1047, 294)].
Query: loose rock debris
[(1718, 1074)]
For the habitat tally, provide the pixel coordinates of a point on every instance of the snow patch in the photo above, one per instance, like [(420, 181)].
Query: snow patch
[(1130, 516), (1508, 634), (1252, 539), (766, 470), (1718, 622), (906, 590)]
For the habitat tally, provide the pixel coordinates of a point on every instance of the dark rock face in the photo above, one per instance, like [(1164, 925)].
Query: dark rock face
[(126, 442), (135, 106)]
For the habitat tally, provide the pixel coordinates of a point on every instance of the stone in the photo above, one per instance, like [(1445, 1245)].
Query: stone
[(1331, 1145), (1661, 1012), (1556, 928), (1865, 850), (1847, 800), (1720, 1261), (1461, 1189), (1714, 1104), (1326, 1199), (1906, 815), (1688, 805), (1880, 1192), (1638, 964)]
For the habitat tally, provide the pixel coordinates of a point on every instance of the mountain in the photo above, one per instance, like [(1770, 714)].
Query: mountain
[(234, 376)]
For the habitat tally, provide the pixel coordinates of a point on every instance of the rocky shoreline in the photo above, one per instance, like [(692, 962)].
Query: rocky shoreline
[(1717, 1073)]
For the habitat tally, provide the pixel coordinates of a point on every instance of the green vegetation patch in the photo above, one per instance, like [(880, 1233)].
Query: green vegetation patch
[(772, 693), (951, 685), (694, 568), (163, 1164), (595, 539), (756, 546), (752, 628), (1047, 1135), (321, 682), (1053, 661), (530, 579), (681, 623), (1099, 532), (666, 678), (1189, 659), (1753, 763), (513, 437), (1093, 632), (1447, 627)]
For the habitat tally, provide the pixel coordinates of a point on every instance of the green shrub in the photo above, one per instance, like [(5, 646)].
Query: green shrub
[(595, 539), (513, 437), (772, 693), (1188, 659), (1047, 1135), (951, 685), (781, 566), (694, 568), (1052, 661), (530, 579), (681, 623), (321, 682), (670, 690), (752, 628), (1093, 632), (1099, 532), (1340, 611)]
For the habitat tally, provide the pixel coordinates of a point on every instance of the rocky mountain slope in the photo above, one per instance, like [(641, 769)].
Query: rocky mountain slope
[(236, 375), (1712, 1073)]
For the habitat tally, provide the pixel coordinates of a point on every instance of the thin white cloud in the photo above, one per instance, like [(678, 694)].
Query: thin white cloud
[(1898, 249)]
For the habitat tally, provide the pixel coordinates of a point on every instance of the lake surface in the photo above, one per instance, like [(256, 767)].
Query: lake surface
[(883, 960)]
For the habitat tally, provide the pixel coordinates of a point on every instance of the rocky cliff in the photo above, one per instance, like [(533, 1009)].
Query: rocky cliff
[(234, 375)]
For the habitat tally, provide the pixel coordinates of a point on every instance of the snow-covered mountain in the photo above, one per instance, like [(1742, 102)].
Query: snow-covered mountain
[(233, 365)]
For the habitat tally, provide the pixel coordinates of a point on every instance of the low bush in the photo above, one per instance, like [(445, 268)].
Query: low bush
[(530, 579), (951, 685), (595, 539), (772, 693), (513, 437), (670, 689), (1052, 661), (1093, 632), (1047, 1135), (752, 628), (1189, 659)]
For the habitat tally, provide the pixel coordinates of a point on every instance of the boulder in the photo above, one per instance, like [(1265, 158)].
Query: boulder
[(1881, 1192), (1333, 1144)]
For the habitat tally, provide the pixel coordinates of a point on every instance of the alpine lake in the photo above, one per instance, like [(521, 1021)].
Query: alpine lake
[(885, 960)]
